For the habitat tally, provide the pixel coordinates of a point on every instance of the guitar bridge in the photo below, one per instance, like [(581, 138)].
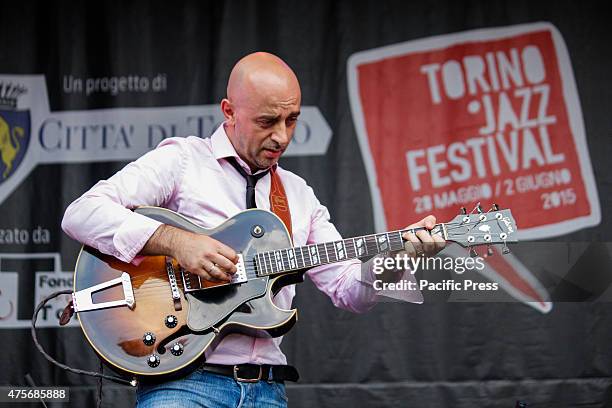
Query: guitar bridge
[(176, 296), (82, 300)]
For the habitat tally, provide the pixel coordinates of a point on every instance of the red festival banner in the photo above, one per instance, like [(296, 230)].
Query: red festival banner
[(485, 116)]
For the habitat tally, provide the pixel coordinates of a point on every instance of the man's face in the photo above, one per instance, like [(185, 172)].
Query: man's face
[(262, 122)]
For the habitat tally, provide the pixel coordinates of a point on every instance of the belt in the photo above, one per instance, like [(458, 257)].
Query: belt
[(254, 372)]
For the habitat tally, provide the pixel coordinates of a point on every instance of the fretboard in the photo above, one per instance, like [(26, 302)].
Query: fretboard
[(309, 256)]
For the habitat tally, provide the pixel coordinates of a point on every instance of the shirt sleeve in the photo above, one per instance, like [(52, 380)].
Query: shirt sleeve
[(349, 283), (102, 217)]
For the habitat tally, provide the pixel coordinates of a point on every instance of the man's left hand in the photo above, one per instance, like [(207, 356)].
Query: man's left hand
[(422, 242)]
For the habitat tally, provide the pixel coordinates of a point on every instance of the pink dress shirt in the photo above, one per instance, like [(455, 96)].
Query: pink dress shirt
[(189, 176)]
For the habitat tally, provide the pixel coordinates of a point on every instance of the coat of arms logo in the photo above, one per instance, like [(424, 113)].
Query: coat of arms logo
[(14, 129)]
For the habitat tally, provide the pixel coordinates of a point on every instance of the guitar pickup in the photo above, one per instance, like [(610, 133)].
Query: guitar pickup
[(193, 282), (82, 300), (240, 275)]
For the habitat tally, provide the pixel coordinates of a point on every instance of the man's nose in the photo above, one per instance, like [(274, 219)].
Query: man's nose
[(281, 134)]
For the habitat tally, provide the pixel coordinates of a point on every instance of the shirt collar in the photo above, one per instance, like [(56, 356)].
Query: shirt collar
[(222, 148)]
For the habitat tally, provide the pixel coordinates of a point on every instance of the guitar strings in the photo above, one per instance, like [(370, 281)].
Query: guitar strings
[(161, 282), (285, 259), (251, 271)]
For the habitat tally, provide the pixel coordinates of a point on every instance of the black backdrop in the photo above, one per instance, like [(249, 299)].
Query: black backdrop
[(438, 354)]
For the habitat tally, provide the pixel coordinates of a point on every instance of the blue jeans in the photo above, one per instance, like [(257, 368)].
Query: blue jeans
[(203, 389)]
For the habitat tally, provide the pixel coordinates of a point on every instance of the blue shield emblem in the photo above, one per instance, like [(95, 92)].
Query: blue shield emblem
[(14, 140)]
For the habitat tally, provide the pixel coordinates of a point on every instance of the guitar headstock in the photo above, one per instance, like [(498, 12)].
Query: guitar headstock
[(482, 228)]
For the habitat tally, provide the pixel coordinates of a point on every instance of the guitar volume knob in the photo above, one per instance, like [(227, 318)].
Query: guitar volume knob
[(177, 349), (148, 339), (153, 360), (170, 321)]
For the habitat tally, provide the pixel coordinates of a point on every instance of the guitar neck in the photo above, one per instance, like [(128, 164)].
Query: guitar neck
[(304, 257)]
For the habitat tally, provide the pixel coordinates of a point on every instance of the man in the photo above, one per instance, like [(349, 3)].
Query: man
[(204, 180)]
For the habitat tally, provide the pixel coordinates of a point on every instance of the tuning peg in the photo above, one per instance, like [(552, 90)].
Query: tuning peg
[(478, 208), (495, 207), (489, 251), (505, 249), (473, 253), (463, 211)]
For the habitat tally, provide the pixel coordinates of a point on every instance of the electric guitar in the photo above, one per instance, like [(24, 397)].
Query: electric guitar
[(157, 319)]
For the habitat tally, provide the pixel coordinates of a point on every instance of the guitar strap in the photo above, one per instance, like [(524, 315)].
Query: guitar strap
[(278, 200)]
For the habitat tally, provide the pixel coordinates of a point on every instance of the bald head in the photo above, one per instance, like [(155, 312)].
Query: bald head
[(261, 108), (260, 73)]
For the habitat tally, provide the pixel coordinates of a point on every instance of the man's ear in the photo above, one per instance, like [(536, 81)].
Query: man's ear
[(228, 111)]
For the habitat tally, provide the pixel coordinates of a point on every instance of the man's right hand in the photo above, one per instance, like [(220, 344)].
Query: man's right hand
[(199, 254)]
